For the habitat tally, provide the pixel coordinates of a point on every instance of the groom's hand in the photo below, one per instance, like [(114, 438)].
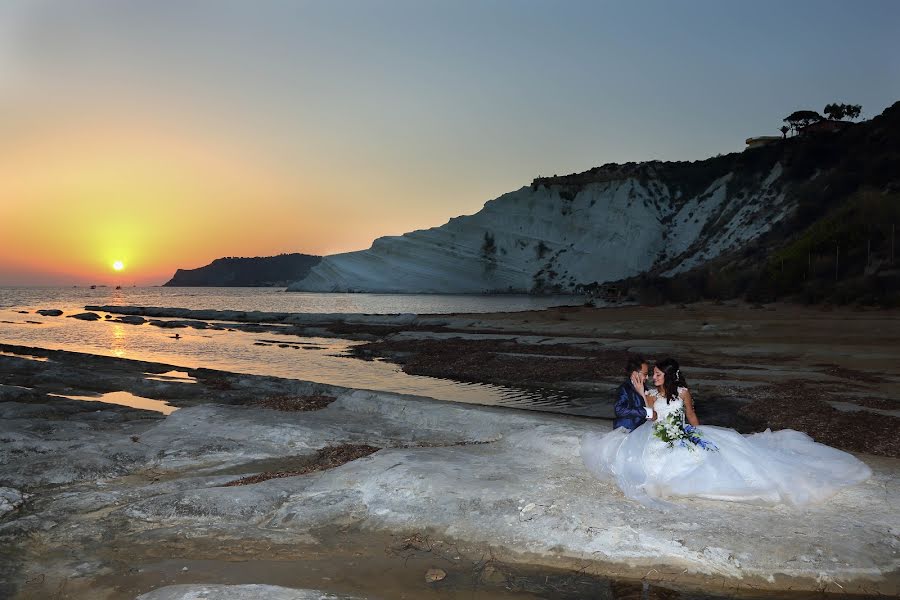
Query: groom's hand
[(637, 380)]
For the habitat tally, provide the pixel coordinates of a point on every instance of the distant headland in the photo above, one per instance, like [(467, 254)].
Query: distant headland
[(260, 271)]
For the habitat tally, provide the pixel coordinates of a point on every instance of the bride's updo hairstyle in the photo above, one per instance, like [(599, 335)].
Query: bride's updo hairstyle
[(673, 378)]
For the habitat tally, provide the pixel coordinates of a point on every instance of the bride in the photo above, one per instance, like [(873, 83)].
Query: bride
[(671, 456)]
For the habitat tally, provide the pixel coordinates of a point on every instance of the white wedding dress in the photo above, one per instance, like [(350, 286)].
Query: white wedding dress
[(772, 467)]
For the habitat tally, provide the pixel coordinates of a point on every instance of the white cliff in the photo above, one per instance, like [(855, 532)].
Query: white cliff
[(556, 235)]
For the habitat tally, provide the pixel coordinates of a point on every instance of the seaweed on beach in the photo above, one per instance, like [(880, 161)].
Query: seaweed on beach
[(324, 459), (797, 406), (851, 374), (497, 361), (294, 403), (877, 403)]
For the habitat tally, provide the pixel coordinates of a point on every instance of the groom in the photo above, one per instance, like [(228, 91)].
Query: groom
[(631, 410)]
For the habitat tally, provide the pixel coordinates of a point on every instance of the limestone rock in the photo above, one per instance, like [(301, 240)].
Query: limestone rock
[(10, 500), (513, 480), (86, 316), (168, 324), (552, 236), (132, 320)]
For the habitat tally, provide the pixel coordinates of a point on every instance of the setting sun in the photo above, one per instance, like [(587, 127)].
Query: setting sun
[(118, 265)]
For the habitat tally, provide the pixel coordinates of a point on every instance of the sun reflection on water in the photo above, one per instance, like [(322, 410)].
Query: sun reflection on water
[(323, 360), (118, 340)]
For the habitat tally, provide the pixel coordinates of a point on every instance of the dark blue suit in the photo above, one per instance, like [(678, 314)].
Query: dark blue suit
[(630, 411)]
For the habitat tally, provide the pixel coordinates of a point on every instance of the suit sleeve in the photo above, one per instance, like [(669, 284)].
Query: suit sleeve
[(624, 408)]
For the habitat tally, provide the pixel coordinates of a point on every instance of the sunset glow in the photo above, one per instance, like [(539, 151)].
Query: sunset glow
[(118, 266), (186, 139)]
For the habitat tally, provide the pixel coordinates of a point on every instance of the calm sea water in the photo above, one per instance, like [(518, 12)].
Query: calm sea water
[(271, 299), (311, 359)]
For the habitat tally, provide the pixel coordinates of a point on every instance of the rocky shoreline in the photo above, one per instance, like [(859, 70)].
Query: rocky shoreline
[(102, 501), (752, 367)]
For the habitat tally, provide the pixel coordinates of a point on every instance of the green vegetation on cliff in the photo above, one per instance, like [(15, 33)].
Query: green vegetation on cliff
[(838, 245)]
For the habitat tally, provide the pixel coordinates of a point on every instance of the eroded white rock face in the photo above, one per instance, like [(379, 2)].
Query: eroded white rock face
[(546, 238), (236, 592)]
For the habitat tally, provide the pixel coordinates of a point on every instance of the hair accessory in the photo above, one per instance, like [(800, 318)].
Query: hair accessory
[(677, 374)]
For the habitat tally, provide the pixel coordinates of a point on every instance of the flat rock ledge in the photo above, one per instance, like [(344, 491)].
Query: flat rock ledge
[(501, 479), (256, 316)]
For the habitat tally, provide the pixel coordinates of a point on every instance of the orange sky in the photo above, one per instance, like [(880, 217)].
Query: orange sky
[(159, 197), (95, 192)]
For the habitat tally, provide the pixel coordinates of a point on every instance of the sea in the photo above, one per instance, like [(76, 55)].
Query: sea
[(319, 359), (273, 300)]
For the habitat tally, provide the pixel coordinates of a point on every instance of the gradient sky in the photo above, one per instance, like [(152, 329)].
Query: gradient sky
[(168, 133)]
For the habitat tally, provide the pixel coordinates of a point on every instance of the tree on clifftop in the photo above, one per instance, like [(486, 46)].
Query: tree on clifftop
[(801, 118), (784, 130), (835, 111), (839, 111)]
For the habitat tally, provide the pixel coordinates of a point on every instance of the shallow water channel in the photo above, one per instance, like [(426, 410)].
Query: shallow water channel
[(318, 359), (367, 565)]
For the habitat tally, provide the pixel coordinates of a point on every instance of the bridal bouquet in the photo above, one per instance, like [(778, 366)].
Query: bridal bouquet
[(673, 430)]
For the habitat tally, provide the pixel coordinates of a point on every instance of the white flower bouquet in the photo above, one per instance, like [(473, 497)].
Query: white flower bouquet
[(673, 430)]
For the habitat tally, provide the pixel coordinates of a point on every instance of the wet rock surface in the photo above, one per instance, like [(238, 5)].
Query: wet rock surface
[(100, 482), (741, 361), (132, 320), (86, 316), (108, 479)]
